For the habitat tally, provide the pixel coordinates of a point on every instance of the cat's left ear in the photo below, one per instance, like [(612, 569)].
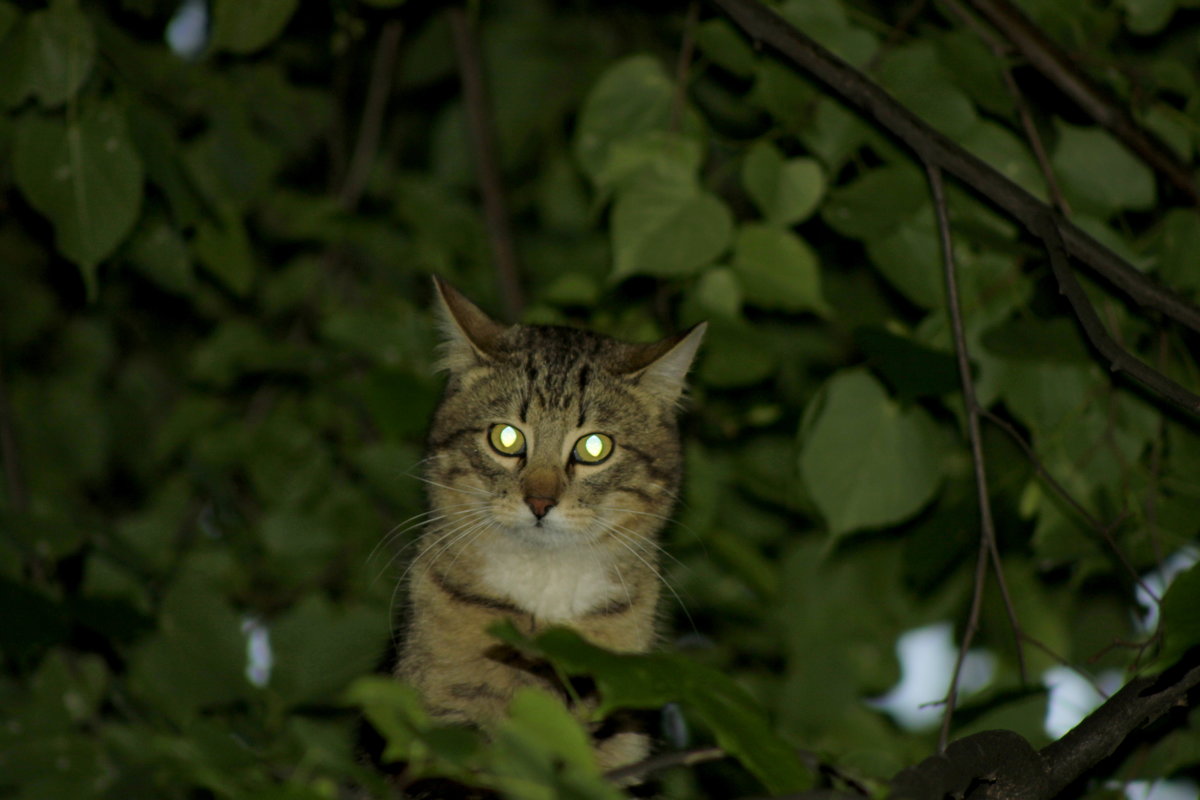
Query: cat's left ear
[(469, 336), (661, 368)]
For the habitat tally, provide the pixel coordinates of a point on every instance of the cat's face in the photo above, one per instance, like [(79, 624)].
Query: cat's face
[(555, 437)]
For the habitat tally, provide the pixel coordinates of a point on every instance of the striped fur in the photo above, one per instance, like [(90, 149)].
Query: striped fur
[(590, 562)]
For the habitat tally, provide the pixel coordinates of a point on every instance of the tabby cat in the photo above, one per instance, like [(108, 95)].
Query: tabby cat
[(553, 462)]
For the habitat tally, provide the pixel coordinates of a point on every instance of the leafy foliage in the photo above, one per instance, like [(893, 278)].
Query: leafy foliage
[(215, 363)]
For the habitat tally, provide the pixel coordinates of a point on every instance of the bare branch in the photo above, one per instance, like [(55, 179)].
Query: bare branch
[(934, 148), (1094, 329), (687, 48), (1104, 531), (1002, 50), (1050, 60), (480, 121), (383, 71), (987, 527)]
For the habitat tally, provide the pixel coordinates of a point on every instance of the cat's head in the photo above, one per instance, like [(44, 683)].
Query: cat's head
[(555, 436)]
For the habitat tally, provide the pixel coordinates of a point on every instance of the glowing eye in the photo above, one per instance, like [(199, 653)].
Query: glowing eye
[(506, 439), (593, 448)]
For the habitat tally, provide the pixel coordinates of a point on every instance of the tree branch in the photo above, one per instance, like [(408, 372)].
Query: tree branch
[(482, 127), (1001, 50), (1094, 329), (1050, 60), (1139, 703), (987, 527), (934, 148), (383, 71), (683, 64)]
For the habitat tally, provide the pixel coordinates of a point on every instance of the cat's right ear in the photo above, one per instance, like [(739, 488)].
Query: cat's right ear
[(469, 336)]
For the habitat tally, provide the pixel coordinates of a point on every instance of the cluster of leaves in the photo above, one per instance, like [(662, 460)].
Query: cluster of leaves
[(215, 370)]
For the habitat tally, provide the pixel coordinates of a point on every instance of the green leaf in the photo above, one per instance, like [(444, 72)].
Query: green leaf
[(869, 208), (651, 680), (9, 16), (1004, 151), (667, 229), (542, 753), (736, 355), (319, 648), (1181, 616), (910, 257), (49, 54), (823, 595), (914, 75), (1147, 17), (42, 621), (785, 191), (726, 46), (197, 660), (913, 369), (244, 26), (867, 462), (827, 22), (718, 293), (777, 269), (1178, 245), (160, 253), (1043, 394), (84, 175), (653, 155), (224, 250), (835, 134), (976, 70), (1098, 175), (544, 718), (395, 710), (1031, 339), (633, 96), (231, 163), (782, 92)]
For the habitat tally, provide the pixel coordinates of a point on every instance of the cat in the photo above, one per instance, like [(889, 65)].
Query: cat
[(553, 462)]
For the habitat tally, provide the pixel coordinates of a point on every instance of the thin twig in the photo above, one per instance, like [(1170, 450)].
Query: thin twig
[(1050, 60), (987, 528), (1150, 508), (1040, 645), (934, 148), (1104, 531), (687, 48), (1093, 328), (681, 758), (1035, 143), (482, 129), (366, 145), (895, 33), (968, 636)]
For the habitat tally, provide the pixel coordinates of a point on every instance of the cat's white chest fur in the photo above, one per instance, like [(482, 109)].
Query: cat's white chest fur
[(555, 585)]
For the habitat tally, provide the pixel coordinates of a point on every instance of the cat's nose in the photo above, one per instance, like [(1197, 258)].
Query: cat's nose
[(540, 505)]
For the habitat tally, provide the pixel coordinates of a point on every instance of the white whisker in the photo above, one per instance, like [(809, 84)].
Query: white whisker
[(649, 545), (416, 521), (465, 520), (624, 538), (462, 489)]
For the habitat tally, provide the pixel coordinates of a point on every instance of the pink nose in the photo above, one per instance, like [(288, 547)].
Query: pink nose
[(540, 505)]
